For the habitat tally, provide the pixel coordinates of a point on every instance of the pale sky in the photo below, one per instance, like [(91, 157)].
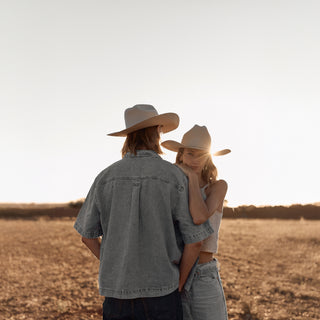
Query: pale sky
[(248, 70)]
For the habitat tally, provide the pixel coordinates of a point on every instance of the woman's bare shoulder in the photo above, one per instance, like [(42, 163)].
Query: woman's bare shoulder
[(218, 186)]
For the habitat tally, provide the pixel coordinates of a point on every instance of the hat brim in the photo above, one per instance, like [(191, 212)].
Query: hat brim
[(168, 121), (175, 146)]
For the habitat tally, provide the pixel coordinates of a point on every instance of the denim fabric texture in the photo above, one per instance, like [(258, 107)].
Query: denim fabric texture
[(158, 308), (205, 299), (139, 205)]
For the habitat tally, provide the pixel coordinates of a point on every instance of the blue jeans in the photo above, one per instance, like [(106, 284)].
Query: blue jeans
[(156, 308), (203, 296)]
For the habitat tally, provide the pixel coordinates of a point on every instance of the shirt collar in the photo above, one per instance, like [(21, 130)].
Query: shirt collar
[(142, 153)]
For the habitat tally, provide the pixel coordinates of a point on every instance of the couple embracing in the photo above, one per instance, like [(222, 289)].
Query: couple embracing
[(154, 225)]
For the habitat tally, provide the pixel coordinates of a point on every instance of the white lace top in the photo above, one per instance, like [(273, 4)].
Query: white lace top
[(211, 244)]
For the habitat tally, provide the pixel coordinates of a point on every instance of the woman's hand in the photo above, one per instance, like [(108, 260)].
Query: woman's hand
[(186, 169)]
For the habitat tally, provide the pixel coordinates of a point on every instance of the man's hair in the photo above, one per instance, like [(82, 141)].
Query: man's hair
[(147, 138)]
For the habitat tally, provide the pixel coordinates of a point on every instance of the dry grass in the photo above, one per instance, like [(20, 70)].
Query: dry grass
[(270, 270)]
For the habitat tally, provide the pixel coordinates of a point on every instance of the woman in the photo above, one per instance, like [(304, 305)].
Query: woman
[(203, 296)]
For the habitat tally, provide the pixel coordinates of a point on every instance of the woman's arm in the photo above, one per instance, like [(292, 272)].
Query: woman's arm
[(201, 210), (189, 256), (93, 245), (216, 194), (197, 206)]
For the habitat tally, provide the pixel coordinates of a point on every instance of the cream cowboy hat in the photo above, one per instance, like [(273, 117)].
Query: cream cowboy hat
[(143, 116), (196, 138)]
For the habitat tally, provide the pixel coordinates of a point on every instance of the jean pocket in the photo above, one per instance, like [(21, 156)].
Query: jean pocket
[(185, 295), (207, 277)]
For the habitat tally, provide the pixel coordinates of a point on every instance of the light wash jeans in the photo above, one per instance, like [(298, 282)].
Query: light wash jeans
[(203, 296)]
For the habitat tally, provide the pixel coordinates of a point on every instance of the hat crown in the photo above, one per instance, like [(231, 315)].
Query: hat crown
[(139, 113), (197, 137)]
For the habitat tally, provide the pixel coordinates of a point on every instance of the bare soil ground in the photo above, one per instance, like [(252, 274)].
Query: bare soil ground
[(270, 270)]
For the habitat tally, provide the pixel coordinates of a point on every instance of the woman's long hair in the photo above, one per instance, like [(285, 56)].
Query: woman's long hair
[(209, 172), (147, 138)]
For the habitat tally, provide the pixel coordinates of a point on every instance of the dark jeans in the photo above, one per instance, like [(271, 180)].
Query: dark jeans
[(157, 308)]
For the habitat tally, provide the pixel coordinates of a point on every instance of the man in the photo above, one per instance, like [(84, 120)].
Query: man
[(139, 205)]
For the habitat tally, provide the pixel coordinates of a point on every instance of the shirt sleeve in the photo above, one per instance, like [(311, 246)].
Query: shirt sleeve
[(189, 231), (88, 222)]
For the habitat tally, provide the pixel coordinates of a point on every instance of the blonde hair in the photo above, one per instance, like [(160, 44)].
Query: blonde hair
[(147, 138), (209, 172)]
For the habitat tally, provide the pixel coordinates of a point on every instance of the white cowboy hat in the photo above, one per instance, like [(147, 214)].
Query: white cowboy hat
[(143, 116), (196, 138)]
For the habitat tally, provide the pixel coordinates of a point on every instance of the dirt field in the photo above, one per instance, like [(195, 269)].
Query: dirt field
[(270, 270)]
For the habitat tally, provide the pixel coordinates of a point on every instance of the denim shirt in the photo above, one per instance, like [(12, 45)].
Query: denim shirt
[(139, 205)]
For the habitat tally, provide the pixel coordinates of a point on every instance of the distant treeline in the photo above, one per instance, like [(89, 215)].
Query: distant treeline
[(71, 209), (297, 211)]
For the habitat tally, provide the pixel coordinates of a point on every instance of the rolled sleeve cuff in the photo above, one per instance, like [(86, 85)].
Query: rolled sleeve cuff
[(204, 233), (87, 234)]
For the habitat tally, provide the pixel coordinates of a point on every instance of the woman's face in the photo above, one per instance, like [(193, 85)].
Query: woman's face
[(195, 159)]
